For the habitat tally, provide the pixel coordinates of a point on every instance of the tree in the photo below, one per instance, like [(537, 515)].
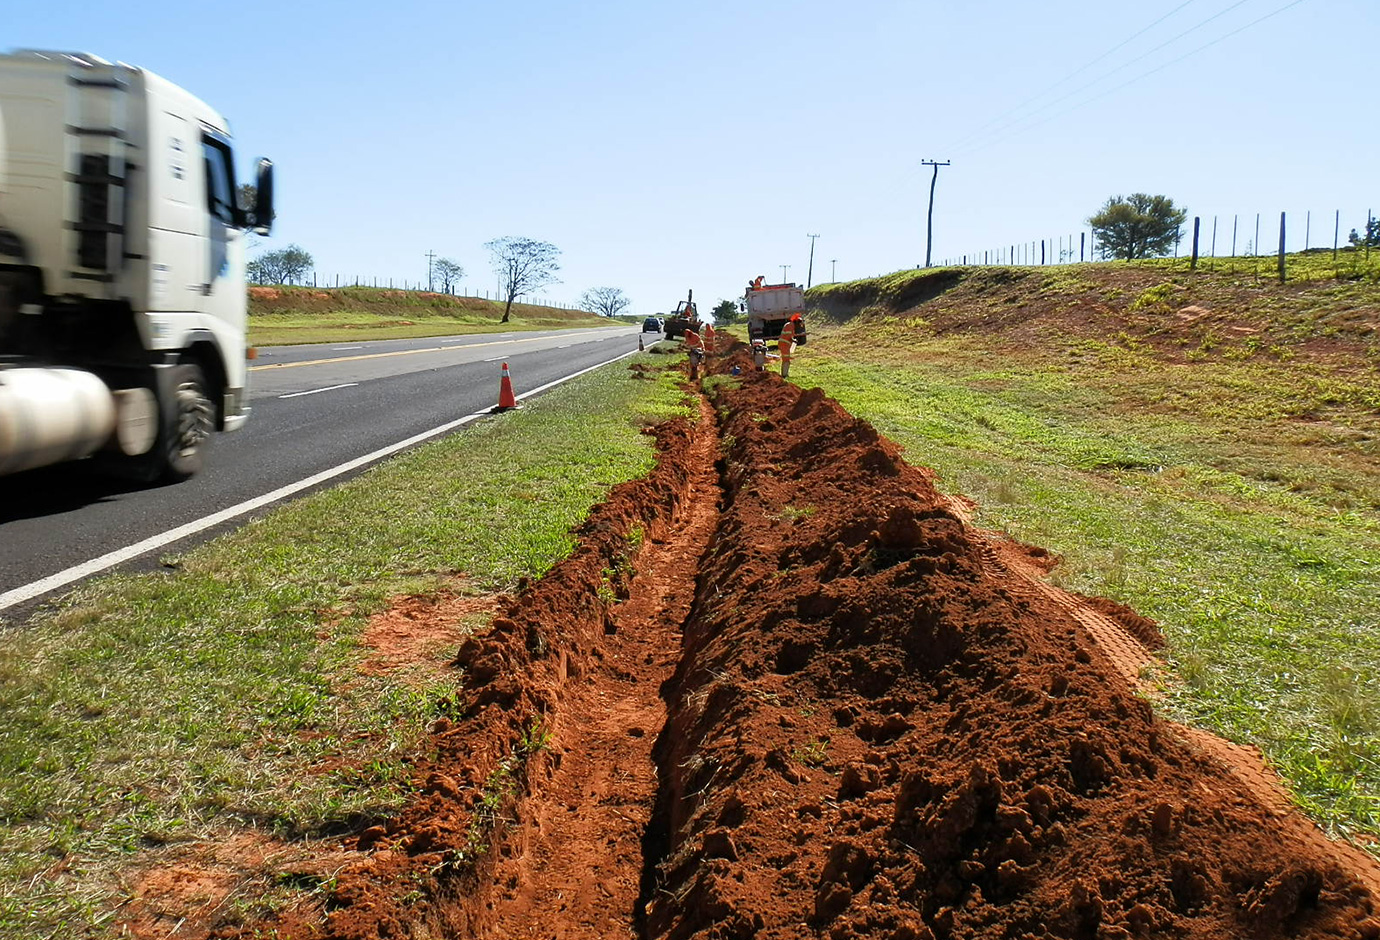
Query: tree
[(605, 301), (522, 265), (1137, 226), (284, 266), (725, 312), (1372, 236), (449, 273), (248, 194)]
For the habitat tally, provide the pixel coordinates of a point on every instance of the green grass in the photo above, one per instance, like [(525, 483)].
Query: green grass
[(1234, 499), (152, 709), (289, 315)]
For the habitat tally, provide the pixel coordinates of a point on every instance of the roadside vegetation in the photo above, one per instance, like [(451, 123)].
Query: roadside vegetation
[(1204, 447), (225, 694), (286, 315)]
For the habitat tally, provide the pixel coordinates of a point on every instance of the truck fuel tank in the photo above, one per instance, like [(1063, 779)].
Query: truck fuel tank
[(48, 415)]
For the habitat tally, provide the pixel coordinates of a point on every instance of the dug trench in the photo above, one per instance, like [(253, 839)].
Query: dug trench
[(783, 688)]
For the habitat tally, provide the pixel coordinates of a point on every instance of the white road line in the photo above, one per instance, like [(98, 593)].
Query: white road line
[(340, 348), (86, 569), (566, 346), (328, 388), (494, 359)]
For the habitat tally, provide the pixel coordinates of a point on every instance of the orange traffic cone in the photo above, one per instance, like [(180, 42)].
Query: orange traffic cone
[(506, 398), (709, 339)]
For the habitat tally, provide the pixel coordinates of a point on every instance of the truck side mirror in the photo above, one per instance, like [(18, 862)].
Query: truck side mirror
[(263, 198)]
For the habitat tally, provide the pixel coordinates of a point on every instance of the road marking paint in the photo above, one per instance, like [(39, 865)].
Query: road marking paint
[(566, 346), (495, 359), (342, 348), (410, 352), (328, 388), (86, 569)]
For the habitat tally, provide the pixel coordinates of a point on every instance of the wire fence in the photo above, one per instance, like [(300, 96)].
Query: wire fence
[(1325, 250)]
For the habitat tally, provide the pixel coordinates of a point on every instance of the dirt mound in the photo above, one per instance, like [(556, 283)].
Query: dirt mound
[(878, 723), (875, 733), (1141, 307)]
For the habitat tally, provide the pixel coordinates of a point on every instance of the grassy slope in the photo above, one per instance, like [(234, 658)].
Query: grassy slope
[(154, 709), (1217, 467), (284, 315)]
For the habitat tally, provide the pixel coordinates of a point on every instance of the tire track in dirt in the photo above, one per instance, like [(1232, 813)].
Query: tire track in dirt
[(575, 872)]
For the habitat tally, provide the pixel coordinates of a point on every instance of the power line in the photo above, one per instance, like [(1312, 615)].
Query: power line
[(1132, 81), (977, 132), (1104, 76)]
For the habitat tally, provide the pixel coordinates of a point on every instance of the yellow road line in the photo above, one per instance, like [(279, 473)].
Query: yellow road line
[(407, 352)]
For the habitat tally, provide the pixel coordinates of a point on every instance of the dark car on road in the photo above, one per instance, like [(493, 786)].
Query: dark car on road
[(651, 325)]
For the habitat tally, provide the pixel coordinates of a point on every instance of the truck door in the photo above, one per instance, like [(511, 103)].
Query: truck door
[(220, 204)]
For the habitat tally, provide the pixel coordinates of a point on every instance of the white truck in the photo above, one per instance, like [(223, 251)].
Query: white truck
[(769, 306), (122, 293)]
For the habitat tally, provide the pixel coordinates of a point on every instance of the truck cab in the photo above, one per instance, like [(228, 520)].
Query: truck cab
[(121, 263)]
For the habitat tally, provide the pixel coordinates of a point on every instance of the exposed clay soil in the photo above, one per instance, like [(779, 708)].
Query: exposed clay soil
[(791, 692)]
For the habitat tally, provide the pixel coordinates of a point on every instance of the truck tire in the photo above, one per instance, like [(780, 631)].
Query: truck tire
[(181, 447), (186, 420)]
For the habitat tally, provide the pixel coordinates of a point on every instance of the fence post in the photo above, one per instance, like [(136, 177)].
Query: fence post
[(1213, 251), (1082, 241), (1193, 259), (1369, 216), (1307, 227), (1042, 251), (1281, 247), (1336, 237)]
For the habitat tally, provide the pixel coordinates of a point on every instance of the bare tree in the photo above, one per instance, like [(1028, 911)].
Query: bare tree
[(605, 301), (449, 272), (522, 265)]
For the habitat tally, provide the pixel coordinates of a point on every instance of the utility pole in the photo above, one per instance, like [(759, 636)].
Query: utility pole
[(430, 255), (833, 269), (784, 268), (810, 272), (929, 224)]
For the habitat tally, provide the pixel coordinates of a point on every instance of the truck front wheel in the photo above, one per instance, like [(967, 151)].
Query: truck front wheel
[(182, 445), (187, 416)]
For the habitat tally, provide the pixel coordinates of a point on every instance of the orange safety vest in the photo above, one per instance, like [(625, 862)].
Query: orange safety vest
[(787, 339), (709, 337), (692, 340)]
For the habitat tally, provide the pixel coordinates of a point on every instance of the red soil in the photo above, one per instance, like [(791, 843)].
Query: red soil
[(878, 722)]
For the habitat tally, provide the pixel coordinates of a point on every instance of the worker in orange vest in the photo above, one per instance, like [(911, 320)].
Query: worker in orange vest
[(787, 341), (709, 338), (696, 350)]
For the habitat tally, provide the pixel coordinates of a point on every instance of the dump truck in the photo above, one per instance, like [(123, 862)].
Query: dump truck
[(769, 306), (122, 270), (683, 318)]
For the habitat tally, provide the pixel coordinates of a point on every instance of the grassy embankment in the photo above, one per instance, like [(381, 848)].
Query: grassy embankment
[(285, 315), (1203, 447), (150, 713)]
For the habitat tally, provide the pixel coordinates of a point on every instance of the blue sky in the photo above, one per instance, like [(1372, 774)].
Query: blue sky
[(671, 146)]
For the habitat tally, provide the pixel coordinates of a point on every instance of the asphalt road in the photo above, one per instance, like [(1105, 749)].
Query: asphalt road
[(314, 408)]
